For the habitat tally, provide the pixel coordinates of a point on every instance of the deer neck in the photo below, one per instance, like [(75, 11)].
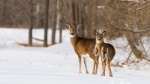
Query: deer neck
[(73, 40), (100, 44)]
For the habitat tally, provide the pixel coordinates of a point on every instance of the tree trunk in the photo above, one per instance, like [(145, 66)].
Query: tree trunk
[(54, 28), (81, 31), (71, 13), (137, 48), (92, 18), (31, 24), (80, 11), (3, 12), (59, 19), (46, 22)]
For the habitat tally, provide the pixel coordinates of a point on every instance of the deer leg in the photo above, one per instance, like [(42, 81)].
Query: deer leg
[(96, 62), (103, 68), (85, 65), (79, 58), (93, 72), (109, 68)]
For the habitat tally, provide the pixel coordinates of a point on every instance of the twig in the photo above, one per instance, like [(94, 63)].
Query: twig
[(143, 6), (128, 57), (21, 6), (124, 29)]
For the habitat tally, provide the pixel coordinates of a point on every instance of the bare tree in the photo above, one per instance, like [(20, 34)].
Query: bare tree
[(31, 24), (59, 18), (92, 17), (3, 6), (46, 22), (30, 14), (128, 18), (72, 13), (54, 27)]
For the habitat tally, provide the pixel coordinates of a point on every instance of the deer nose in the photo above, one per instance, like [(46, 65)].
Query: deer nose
[(72, 33), (99, 39)]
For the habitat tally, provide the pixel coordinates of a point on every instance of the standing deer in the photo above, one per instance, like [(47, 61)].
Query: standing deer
[(106, 51), (83, 46)]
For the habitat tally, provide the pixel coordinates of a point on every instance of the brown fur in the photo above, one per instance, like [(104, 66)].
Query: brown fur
[(106, 52), (83, 46)]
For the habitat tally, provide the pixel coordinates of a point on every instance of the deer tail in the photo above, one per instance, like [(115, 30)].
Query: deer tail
[(105, 56)]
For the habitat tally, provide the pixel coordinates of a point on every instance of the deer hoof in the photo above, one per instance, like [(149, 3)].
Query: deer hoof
[(102, 74), (87, 72), (110, 75)]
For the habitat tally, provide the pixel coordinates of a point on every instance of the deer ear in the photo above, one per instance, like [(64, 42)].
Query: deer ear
[(104, 33), (95, 32), (79, 25), (67, 25)]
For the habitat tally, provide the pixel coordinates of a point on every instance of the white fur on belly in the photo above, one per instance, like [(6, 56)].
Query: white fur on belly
[(87, 55)]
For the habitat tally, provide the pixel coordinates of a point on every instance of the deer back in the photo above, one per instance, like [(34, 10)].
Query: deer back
[(106, 48), (84, 45)]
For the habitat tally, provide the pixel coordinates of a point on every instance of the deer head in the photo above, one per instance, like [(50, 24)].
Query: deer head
[(99, 36), (73, 31)]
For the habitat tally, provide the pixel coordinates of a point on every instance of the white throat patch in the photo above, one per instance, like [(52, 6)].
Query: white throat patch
[(72, 36), (98, 41)]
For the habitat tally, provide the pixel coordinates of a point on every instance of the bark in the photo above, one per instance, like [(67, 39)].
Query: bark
[(31, 24), (71, 13), (80, 19), (46, 22), (136, 48), (92, 18), (59, 18), (54, 28), (3, 12), (80, 10)]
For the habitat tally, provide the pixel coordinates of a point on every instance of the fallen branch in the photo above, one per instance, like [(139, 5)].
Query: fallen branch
[(37, 39), (34, 44)]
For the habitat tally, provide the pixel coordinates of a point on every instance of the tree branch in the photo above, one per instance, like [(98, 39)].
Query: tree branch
[(128, 56), (124, 29), (37, 39), (129, 30), (139, 8), (22, 7)]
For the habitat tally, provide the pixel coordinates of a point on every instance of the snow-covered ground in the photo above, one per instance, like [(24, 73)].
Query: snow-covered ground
[(58, 64)]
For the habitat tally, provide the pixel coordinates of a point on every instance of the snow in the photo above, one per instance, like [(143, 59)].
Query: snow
[(58, 64)]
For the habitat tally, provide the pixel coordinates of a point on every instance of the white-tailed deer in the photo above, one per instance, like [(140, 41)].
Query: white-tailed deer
[(83, 46), (106, 51)]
